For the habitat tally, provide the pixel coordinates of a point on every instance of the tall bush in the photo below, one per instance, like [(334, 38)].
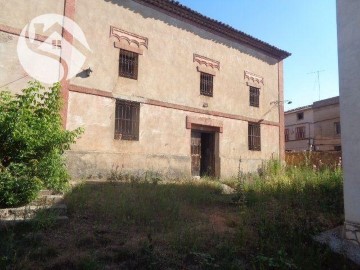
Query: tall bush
[(32, 141)]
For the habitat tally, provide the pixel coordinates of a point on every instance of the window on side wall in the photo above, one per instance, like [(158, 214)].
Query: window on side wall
[(127, 116), (337, 128), (300, 116), (254, 137), (128, 64), (254, 96), (206, 84), (287, 134), (300, 133)]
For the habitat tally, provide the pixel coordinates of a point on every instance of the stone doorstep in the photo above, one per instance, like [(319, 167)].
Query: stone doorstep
[(29, 212)]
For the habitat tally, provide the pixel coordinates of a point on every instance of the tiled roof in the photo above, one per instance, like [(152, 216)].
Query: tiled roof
[(300, 109), (176, 9), (326, 102)]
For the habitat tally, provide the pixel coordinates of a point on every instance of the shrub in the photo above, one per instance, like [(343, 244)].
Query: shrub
[(32, 141)]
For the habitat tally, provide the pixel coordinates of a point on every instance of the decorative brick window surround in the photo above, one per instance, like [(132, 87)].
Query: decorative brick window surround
[(352, 232), (255, 83), (127, 118), (254, 137), (208, 69), (131, 46)]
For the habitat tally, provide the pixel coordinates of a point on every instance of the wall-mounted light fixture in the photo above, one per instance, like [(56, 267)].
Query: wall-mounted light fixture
[(88, 71), (279, 102)]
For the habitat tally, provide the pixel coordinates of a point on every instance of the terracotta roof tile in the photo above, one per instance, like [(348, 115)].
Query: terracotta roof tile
[(220, 28)]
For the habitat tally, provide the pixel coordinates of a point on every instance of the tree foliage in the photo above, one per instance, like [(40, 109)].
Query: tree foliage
[(32, 141)]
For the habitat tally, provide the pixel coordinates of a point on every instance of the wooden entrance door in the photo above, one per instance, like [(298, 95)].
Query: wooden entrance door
[(195, 153)]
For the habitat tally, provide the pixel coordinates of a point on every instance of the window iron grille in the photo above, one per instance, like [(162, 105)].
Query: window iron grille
[(254, 96), (128, 67), (254, 137), (127, 120), (206, 84)]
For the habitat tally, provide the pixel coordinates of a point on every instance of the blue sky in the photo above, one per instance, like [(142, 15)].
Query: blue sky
[(305, 28)]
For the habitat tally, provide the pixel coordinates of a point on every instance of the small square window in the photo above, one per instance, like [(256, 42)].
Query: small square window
[(127, 120), (300, 116), (254, 137), (254, 96), (128, 64), (206, 84)]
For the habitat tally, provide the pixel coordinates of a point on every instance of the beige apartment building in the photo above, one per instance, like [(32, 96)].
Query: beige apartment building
[(314, 127), (163, 88)]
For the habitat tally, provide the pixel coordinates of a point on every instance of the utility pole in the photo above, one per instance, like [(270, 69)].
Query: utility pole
[(318, 79)]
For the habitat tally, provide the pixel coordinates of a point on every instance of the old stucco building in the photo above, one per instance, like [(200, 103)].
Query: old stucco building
[(314, 127), (348, 21), (170, 90)]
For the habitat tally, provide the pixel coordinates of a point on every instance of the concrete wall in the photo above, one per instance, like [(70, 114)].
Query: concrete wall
[(348, 20)]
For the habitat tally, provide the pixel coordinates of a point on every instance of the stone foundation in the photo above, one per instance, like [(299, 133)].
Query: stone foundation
[(352, 232)]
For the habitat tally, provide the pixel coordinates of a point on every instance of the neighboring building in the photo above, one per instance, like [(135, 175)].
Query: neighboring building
[(171, 90), (315, 127), (299, 129), (327, 127), (348, 21)]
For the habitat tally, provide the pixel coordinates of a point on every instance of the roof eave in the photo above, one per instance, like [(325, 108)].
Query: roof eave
[(221, 29)]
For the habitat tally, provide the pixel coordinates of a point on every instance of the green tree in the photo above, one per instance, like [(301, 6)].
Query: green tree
[(32, 143)]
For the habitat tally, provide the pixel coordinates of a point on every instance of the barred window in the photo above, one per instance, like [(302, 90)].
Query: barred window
[(300, 133), (254, 96), (206, 84), (127, 120), (128, 67), (254, 137), (287, 135)]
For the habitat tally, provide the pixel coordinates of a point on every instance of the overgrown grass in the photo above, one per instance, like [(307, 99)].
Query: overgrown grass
[(189, 225)]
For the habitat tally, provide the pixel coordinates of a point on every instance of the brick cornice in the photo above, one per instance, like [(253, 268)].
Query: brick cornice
[(174, 9), (153, 102)]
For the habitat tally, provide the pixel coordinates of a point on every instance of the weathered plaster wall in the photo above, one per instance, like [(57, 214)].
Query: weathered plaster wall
[(325, 132), (164, 143), (14, 16), (166, 70), (18, 13), (348, 21), (167, 73)]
